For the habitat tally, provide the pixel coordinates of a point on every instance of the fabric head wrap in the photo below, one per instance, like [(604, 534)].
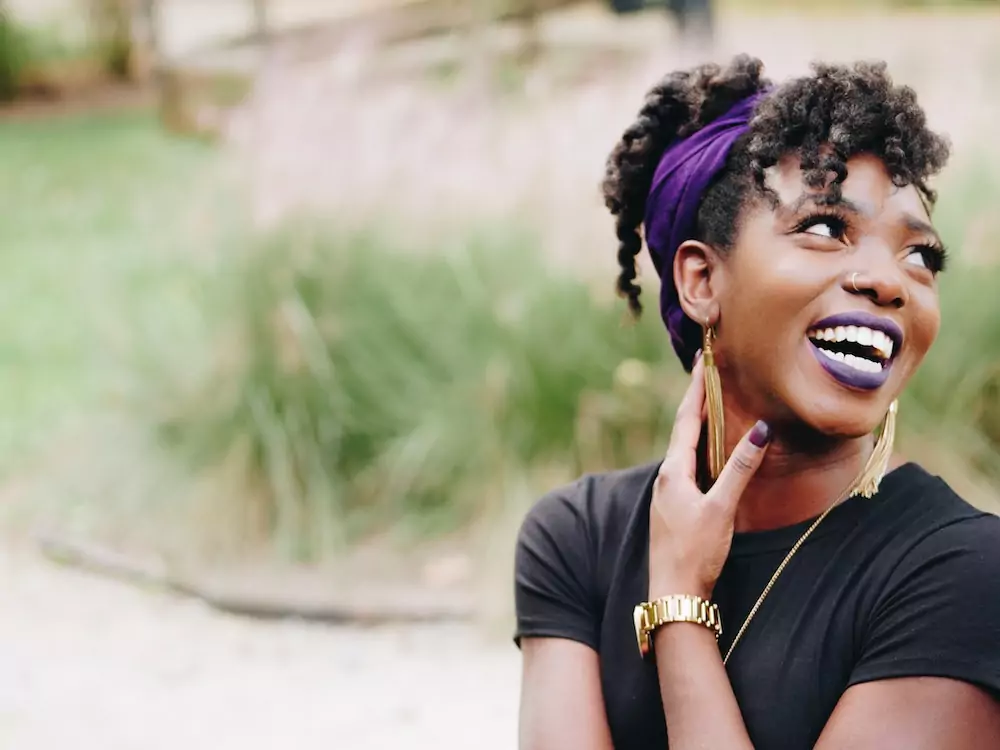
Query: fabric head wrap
[(684, 173)]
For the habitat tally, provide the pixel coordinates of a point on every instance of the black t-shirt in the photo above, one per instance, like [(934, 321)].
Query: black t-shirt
[(904, 584)]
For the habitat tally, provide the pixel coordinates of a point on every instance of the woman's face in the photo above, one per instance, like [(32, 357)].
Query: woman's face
[(825, 311)]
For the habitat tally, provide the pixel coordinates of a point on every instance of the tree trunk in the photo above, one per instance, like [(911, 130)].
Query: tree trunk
[(261, 21), (112, 30), (145, 62), (528, 14), (127, 33)]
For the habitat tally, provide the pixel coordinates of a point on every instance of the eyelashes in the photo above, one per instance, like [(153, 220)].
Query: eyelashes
[(836, 220), (933, 256)]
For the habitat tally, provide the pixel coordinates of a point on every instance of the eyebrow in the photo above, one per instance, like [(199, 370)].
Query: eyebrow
[(919, 225), (806, 198), (911, 222)]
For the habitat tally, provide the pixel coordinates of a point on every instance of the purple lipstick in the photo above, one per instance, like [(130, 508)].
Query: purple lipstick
[(856, 348)]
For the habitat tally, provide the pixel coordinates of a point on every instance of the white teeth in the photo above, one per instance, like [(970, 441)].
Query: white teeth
[(858, 363), (883, 343), (861, 335)]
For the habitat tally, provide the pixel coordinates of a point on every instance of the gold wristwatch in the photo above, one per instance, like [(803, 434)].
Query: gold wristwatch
[(648, 616)]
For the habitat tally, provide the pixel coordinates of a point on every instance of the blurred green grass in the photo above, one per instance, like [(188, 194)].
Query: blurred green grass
[(325, 384), (367, 384), (93, 209)]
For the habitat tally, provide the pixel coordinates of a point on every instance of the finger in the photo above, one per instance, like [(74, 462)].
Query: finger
[(742, 465), (683, 449)]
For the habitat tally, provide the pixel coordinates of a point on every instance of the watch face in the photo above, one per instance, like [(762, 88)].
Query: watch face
[(641, 634)]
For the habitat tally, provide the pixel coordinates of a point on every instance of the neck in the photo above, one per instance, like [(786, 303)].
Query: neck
[(801, 476)]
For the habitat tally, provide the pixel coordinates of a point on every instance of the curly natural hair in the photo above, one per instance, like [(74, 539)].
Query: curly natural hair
[(826, 118)]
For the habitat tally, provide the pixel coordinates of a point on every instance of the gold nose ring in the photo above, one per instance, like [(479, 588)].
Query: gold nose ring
[(854, 281)]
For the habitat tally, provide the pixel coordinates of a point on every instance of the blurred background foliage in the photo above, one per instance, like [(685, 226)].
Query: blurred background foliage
[(194, 349)]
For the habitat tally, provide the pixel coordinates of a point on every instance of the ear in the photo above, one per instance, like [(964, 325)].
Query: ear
[(694, 265)]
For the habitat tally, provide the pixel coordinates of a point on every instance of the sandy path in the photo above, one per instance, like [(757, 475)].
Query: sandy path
[(92, 664)]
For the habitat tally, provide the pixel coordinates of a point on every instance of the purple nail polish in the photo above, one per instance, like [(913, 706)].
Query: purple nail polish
[(760, 435)]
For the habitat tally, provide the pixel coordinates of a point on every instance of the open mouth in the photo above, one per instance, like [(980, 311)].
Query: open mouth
[(863, 348), (857, 349)]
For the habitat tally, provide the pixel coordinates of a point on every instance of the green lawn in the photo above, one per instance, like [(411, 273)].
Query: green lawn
[(99, 212)]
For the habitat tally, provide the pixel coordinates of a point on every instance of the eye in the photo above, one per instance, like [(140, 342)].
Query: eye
[(931, 257), (916, 258), (823, 225)]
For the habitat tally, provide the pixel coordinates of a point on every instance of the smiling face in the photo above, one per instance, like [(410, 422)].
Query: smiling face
[(823, 310)]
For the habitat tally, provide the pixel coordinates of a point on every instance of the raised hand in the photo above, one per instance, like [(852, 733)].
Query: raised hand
[(690, 531)]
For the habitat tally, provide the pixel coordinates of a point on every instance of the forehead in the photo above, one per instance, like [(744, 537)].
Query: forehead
[(868, 185)]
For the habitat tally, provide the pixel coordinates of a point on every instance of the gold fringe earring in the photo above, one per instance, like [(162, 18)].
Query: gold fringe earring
[(868, 481), (713, 399)]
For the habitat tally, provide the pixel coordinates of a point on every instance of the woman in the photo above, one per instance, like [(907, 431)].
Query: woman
[(859, 596)]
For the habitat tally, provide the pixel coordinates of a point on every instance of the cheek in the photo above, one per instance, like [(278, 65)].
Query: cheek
[(772, 285), (926, 321), (764, 309)]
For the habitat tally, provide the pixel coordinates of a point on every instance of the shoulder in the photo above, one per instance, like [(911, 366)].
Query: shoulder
[(945, 551), (936, 614), (964, 541), (566, 550), (936, 516), (592, 509), (580, 529)]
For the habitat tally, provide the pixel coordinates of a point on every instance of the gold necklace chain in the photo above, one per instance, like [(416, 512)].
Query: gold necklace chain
[(780, 569), (866, 485)]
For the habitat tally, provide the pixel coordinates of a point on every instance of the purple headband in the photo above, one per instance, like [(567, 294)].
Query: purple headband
[(683, 175)]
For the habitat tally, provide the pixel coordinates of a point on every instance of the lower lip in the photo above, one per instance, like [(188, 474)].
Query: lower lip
[(846, 375)]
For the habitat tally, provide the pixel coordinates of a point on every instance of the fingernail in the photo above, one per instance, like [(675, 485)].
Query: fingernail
[(697, 356), (760, 435)]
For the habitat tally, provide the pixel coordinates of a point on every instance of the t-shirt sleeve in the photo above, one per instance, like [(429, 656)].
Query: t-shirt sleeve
[(554, 581), (940, 615)]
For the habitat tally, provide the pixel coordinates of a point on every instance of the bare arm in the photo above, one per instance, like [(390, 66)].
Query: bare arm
[(562, 704), (561, 701), (916, 713), (696, 692)]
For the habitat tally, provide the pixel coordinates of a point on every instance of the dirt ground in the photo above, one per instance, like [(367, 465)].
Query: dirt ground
[(96, 665)]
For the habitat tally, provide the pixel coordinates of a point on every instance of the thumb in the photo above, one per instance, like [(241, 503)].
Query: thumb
[(742, 465)]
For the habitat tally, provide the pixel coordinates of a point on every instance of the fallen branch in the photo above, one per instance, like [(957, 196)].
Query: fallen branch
[(100, 560)]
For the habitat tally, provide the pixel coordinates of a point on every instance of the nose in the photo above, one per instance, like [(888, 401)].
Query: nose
[(882, 283)]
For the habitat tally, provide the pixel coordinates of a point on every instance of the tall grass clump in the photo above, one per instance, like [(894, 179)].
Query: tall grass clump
[(954, 398), (369, 385), (359, 383)]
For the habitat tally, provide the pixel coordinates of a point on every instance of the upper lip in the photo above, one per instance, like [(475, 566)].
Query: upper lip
[(866, 320)]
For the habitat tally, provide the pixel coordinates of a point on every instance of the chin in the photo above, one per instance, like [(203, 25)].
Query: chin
[(841, 424), (830, 410), (829, 403)]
